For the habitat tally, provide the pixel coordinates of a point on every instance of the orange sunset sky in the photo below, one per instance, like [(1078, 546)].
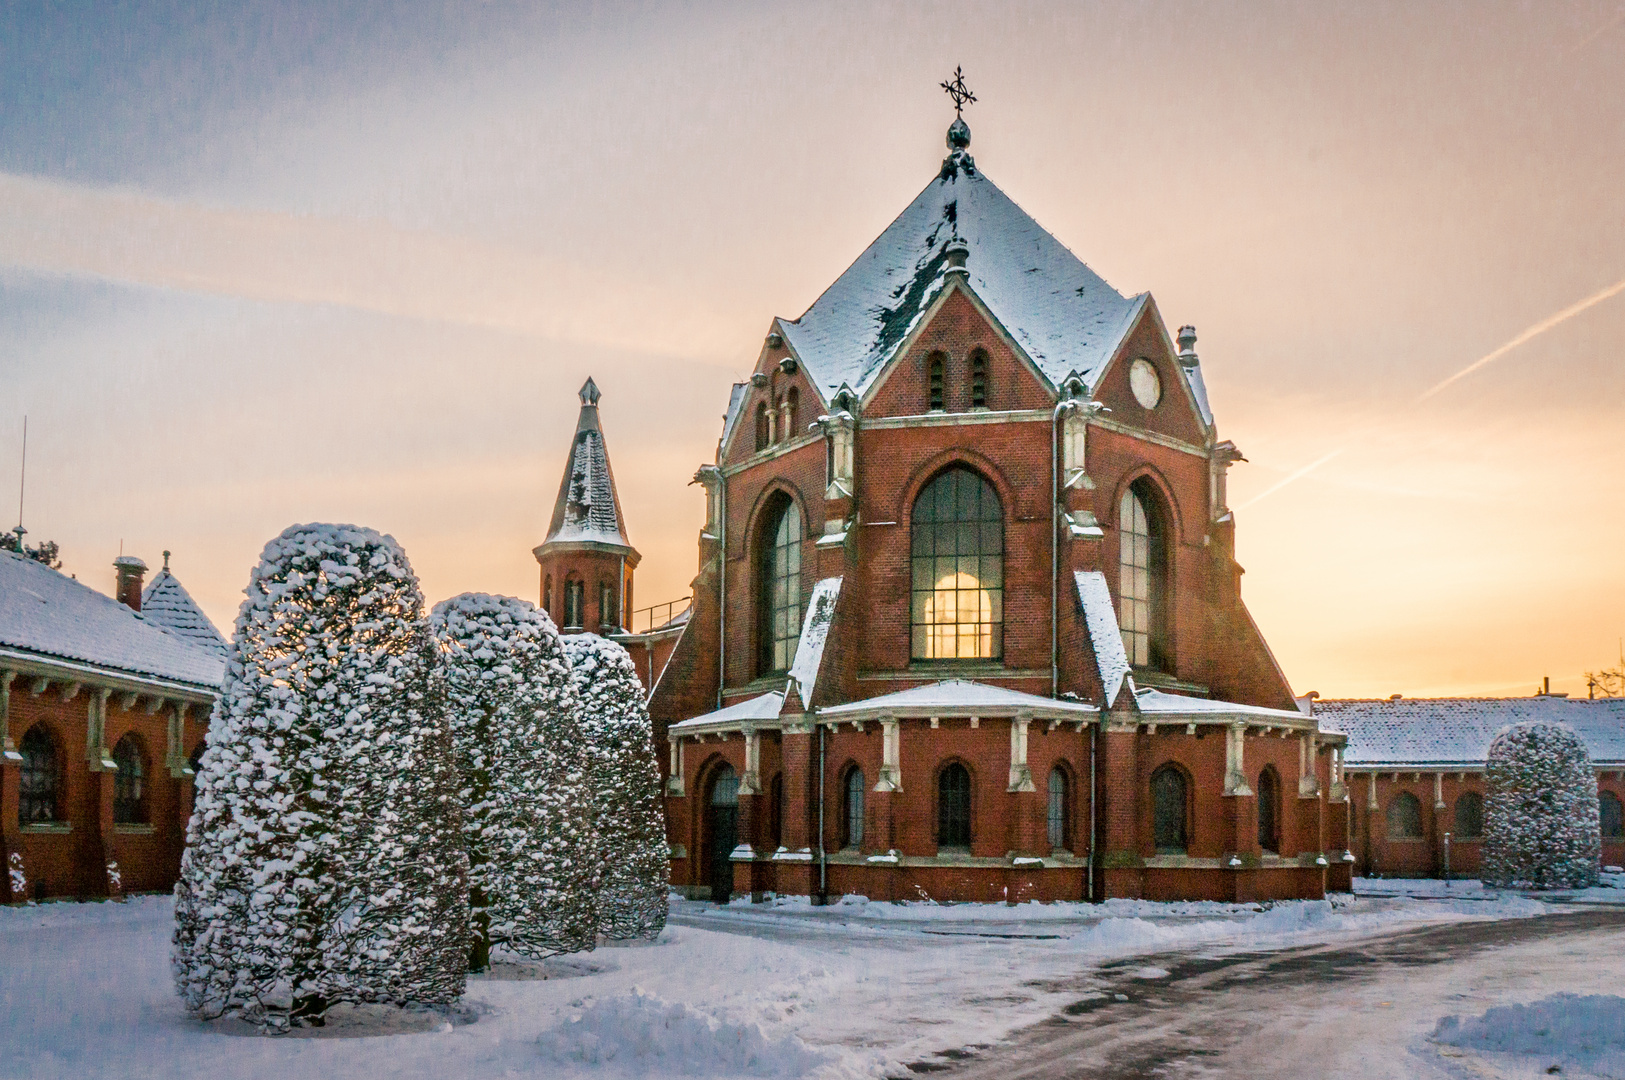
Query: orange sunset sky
[(350, 262)]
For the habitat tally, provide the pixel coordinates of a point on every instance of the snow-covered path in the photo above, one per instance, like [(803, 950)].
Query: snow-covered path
[(857, 990), (1363, 1011)]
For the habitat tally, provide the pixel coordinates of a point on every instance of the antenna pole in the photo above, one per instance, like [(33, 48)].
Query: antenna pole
[(22, 480)]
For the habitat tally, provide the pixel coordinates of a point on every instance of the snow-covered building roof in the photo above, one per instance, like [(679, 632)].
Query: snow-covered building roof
[(1060, 313), (1443, 732), (46, 614), (814, 633), (1155, 704), (167, 603), (588, 509), (763, 707), (1104, 636), (960, 697)]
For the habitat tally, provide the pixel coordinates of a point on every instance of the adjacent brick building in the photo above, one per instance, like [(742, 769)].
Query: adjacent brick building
[(103, 708), (967, 623), (1415, 773)]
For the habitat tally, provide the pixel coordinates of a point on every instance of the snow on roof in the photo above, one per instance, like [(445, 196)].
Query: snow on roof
[(736, 400), (1061, 313), (1101, 619), (1154, 702), (48, 613), (588, 508), (814, 632), (1193, 378), (956, 697), (167, 603), (764, 707), (1458, 731)]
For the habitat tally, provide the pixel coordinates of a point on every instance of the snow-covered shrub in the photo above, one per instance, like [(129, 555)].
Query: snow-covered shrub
[(324, 858), (522, 774), (1540, 818), (626, 788)]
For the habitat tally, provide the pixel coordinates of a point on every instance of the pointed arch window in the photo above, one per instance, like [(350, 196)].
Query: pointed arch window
[(1170, 811), (1269, 810), (1142, 593), (40, 790), (957, 599), (953, 807), (852, 809), (978, 379), (779, 590), (130, 782), (609, 615), (547, 595), (764, 427), (1060, 810), (935, 385)]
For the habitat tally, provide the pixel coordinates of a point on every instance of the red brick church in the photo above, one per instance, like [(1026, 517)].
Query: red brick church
[(967, 623)]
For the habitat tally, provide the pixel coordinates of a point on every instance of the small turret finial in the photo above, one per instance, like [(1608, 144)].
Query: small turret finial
[(166, 561), (589, 392)]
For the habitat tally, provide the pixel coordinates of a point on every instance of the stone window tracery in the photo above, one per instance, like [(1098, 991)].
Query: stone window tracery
[(1142, 577), (779, 591), (957, 543)]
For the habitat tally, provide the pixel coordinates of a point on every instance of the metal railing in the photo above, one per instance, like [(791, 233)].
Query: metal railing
[(653, 618)]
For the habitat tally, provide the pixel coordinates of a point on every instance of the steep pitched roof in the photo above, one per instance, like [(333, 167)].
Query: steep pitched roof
[(1059, 312), (588, 508), (46, 613), (1458, 731), (167, 603)]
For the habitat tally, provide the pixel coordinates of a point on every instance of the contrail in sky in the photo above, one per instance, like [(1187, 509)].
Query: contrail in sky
[(1534, 331), (1489, 358)]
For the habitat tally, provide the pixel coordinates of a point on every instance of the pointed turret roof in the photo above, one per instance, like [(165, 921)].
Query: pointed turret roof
[(1062, 314), (167, 603), (588, 510)]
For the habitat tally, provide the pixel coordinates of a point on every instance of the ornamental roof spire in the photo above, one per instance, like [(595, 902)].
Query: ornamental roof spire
[(958, 158), (588, 508)]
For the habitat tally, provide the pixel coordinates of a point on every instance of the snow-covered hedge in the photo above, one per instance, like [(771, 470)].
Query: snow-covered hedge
[(522, 766), (626, 788), (324, 858), (1541, 826)]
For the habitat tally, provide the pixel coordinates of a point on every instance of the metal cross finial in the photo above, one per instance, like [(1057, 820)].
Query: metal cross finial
[(959, 91)]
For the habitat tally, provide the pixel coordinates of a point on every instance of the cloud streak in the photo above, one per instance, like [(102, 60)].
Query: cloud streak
[(57, 228)]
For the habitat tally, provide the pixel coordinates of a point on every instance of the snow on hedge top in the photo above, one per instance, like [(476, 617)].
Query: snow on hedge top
[(167, 603), (814, 632), (1060, 312), (1458, 731), (588, 508), (46, 612), (1111, 659)]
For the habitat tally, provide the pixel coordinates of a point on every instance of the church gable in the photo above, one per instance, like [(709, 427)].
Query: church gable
[(775, 408), (1173, 410), (958, 361)]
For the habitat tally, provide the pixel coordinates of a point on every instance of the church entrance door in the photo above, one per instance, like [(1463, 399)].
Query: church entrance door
[(721, 829)]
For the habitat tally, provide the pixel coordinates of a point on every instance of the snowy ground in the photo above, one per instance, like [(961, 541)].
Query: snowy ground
[(786, 990)]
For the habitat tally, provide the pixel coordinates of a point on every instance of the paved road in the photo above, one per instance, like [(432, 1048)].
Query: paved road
[(1349, 1011)]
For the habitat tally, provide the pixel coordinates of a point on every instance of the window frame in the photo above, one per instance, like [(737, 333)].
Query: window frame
[(131, 789), (978, 378), (1269, 821), (955, 831), (52, 775), (937, 553), (1404, 798), (1171, 770), (1144, 576), (854, 807), (936, 382), (1058, 820), (1619, 816), (575, 602), (779, 611)]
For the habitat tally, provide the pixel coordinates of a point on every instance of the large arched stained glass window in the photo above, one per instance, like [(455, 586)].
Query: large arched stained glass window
[(1142, 577), (779, 605), (957, 605)]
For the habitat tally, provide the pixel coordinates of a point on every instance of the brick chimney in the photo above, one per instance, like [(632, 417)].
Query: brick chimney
[(132, 573)]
